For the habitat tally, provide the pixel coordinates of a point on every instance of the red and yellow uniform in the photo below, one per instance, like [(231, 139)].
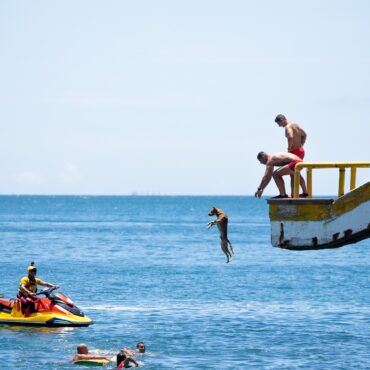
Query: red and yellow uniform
[(28, 284)]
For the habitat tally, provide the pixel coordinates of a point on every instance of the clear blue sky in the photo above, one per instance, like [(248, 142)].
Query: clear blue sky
[(177, 97)]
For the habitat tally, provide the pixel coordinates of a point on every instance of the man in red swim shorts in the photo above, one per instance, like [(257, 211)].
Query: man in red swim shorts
[(286, 162), (296, 137)]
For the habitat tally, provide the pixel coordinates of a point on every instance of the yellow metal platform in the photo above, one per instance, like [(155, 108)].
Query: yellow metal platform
[(318, 223)]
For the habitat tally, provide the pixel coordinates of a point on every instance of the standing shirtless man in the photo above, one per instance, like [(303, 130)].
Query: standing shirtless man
[(296, 137)]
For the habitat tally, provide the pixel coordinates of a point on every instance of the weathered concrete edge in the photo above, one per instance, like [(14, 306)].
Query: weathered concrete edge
[(354, 238)]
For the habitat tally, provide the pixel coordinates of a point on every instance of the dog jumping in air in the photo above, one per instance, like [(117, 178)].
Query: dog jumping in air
[(221, 222)]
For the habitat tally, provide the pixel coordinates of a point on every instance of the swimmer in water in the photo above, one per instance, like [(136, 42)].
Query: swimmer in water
[(140, 348), (123, 358), (83, 354), (123, 361)]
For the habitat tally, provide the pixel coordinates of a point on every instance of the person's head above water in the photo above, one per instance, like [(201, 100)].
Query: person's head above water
[(141, 347), (82, 349), (281, 120), (262, 157)]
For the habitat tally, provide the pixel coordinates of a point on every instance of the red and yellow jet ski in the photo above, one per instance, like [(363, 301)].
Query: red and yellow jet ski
[(51, 310)]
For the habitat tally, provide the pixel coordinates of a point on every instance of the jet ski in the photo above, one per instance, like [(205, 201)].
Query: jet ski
[(51, 310)]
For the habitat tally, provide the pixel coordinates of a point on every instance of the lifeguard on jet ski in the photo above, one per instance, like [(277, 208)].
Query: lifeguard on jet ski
[(31, 309)]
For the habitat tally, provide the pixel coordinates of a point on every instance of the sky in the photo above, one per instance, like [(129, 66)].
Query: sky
[(177, 97)]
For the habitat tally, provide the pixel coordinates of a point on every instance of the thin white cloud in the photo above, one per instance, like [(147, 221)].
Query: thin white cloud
[(28, 178)]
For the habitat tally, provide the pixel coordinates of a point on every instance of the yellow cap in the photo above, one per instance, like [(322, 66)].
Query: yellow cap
[(31, 267)]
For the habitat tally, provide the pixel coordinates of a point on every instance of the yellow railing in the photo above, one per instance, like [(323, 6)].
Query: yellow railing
[(342, 174)]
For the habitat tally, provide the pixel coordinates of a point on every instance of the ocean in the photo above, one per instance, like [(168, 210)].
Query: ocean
[(145, 268)]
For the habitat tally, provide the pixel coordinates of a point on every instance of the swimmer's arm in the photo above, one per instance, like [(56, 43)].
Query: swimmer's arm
[(100, 358), (128, 352), (88, 357), (78, 357), (133, 361)]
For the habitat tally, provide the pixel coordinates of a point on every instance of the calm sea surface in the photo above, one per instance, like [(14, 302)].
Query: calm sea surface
[(147, 269)]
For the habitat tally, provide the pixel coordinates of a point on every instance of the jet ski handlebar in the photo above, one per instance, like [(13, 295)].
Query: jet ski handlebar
[(47, 292)]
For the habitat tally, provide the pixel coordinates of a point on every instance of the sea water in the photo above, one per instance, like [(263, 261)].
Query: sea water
[(147, 269)]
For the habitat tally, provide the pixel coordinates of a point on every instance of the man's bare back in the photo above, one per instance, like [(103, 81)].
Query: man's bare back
[(281, 159), (296, 136)]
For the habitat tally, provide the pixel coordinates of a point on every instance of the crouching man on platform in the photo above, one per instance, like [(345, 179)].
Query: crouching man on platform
[(287, 163)]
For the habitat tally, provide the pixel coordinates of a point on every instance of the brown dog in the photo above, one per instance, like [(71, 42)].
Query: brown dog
[(221, 222)]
